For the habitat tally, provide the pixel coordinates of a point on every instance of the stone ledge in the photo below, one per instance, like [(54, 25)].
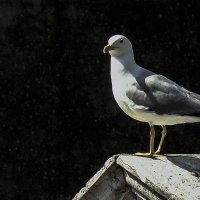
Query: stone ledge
[(132, 177)]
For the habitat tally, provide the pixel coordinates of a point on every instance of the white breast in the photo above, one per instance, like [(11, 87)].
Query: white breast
[(121, 81)]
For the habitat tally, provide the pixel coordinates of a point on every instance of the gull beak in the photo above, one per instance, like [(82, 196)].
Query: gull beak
[(107, 48)]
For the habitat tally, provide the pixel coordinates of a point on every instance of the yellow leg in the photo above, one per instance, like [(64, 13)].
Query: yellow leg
[(164, 132), (152, 137), (151, 152)]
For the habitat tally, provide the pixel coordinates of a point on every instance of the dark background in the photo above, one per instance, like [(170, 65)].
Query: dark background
[(58, 118)]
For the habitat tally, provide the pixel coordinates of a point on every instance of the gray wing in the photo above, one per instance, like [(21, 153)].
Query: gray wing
[(163, 96)]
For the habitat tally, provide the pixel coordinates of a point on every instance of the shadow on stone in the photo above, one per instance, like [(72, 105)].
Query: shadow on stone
[(186, 162)]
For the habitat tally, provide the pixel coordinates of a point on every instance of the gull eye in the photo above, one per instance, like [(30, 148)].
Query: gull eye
[(121, 41)]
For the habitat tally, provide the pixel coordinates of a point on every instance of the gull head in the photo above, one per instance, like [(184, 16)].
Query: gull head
[(118, 45)]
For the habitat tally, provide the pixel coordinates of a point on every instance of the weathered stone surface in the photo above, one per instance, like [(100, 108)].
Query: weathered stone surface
[(128, 177), (171, 176), (107, 183)]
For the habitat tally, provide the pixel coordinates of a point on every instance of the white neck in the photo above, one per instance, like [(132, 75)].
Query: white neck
[(123, 63)]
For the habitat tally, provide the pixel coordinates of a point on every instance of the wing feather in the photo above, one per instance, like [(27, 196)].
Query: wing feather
[(163, 96)]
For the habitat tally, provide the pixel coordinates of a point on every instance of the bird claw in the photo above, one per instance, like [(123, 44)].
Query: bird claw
[(148, 155), (157, 153)]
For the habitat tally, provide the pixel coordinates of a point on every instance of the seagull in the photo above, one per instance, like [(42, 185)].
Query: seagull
[(146, 96)]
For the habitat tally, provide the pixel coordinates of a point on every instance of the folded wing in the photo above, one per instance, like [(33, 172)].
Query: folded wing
[(158, 94)]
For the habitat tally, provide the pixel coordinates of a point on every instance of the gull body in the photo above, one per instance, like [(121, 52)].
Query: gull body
[(123, 82), (146, 96)]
